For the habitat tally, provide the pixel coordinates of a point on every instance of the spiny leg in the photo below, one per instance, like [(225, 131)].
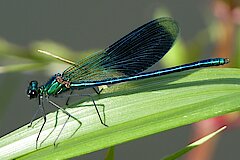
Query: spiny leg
[(69, 97), (69, 115), (55, 125), (98, 92), (103, 123), (98, 112), (87, 95), (44, 117), (61, 131), (33, 117)]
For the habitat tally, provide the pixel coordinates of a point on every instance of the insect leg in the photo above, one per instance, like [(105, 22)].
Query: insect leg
[(103, 123), (55, 125), (69, 97), (69, 115), (44, 117), (98, 92), (87, 95), (34, 116)]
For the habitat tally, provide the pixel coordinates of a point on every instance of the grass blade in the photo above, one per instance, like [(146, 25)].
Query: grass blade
[(110, 154), (133, 110), (194, 145)]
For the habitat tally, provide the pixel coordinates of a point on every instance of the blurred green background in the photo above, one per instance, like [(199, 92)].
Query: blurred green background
[(77, 28)]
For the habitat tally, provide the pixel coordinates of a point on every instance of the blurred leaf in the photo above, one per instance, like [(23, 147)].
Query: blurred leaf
[(53, 47), (8, 50), (110, 154), (59, 50), (193, 145), (177, 55), (20, 67), (17, 59), (237, 62), (196, 47), (171, 58), (161, 12)]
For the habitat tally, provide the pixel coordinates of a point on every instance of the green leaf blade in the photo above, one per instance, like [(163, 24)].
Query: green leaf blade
[(194, 145), (133, 110)]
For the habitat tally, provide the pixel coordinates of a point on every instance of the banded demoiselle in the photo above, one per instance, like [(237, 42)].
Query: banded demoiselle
[(125, 60)]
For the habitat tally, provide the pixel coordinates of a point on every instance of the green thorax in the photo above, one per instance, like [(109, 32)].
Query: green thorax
[(53, 87)]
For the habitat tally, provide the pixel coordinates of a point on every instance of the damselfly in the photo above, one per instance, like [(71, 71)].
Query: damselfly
[(125, 60)]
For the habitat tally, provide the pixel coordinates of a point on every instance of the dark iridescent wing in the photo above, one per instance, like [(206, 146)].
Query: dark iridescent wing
[(130, 55)]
